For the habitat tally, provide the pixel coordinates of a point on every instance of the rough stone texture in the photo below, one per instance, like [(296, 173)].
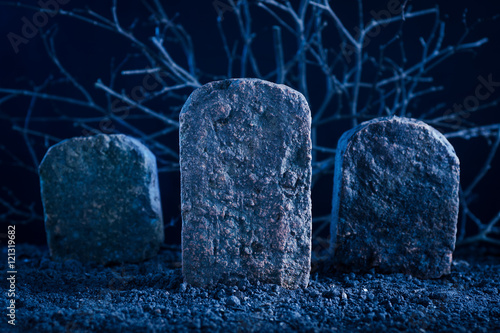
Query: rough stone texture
[(245, 154), (101, 200), (395, 199)]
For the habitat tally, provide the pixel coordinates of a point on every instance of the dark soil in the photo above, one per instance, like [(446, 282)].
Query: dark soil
[(151, 297)]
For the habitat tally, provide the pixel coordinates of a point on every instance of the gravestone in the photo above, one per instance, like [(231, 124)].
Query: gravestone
[(245, 157), (395, 199), (101, 200)]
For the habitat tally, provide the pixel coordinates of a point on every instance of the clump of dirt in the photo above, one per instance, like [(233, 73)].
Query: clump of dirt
[(151, 297)]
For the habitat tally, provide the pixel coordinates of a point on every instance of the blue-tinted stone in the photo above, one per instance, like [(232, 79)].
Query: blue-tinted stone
[(395, 199), (101, 200)]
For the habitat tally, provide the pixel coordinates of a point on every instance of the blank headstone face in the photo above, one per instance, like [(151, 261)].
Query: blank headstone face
[(395, 199), (245, 153), (101, 200)]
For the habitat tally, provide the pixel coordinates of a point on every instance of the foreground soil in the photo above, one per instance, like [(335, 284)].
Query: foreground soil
[(151, 297)]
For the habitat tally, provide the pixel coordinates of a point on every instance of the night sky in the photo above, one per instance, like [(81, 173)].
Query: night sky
[(90, 53)]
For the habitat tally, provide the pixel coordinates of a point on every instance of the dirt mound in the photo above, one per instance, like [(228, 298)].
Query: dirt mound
[(151, 297)]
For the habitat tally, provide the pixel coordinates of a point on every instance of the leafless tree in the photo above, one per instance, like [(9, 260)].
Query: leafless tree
[(356, 75)]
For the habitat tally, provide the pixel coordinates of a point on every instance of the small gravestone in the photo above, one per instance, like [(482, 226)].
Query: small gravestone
[(245, 155), (101, 200), (395, 199)]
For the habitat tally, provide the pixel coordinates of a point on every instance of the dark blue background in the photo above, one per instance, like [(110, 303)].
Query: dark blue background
[(88, 51)]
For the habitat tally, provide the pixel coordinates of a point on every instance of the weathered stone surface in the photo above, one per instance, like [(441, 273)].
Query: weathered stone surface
[(395, 199), (245, 155), (101, 200)]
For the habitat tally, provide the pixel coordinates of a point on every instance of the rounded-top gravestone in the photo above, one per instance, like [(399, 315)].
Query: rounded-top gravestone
[(245, 156), (395, 199), (101, 200)]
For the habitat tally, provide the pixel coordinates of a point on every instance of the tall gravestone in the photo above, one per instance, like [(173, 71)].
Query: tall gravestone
[(101, 200), (395, 199), (245, 156)]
